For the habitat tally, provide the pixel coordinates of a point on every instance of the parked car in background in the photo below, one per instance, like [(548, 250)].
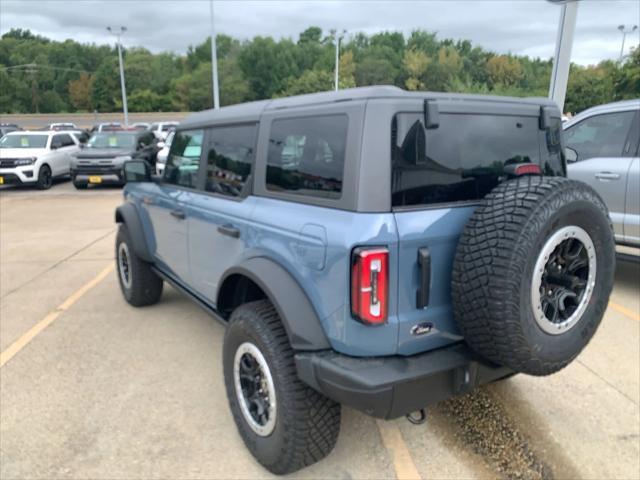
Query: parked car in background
[(62, 126), (162, 129), (603, 151), (8, 127), (36, 158), (102, 160), (161, 160), (106, 127), (142, 126)]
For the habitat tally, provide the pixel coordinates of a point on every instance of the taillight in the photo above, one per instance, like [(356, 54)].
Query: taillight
[(370, 284)]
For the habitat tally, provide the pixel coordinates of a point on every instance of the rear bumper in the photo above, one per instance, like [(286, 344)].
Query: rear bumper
[(389, 387)]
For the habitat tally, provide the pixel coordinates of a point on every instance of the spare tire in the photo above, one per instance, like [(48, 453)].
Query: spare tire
[(533, 272)]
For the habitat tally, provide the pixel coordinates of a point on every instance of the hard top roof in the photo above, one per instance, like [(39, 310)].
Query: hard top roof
[(251, 111)]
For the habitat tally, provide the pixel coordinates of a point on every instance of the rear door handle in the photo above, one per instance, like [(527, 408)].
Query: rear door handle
[(179, 214), (607, 176), (229, 230)]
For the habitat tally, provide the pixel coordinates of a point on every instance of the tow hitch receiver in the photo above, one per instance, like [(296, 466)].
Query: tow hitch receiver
[(418, 417)]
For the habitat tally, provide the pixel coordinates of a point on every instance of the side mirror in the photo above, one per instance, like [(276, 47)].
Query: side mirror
[(161, 144), (55, 146), (137, 171), (570, 154)]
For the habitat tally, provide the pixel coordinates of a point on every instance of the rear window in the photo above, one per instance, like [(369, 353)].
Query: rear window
[(464, 158), (306, 156)]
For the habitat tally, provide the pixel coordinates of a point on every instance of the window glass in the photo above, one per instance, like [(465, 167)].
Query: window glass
[(184, 158), (64, 140), (600, 135), (24, 141), (112, 140), (306, 156), (461, 160), (230, 153)]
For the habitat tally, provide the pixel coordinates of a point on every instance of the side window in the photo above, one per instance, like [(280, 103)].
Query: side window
[(56, 142), (230, 153), (600, 136), (184, 159), (306, 156), (66, 140)]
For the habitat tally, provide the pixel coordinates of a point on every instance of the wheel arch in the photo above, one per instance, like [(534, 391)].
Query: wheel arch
[(127, 214), (260, 277)]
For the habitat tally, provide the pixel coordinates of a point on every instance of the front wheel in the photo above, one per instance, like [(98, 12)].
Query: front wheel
[(45, 179), (284, 423), (138, 282)]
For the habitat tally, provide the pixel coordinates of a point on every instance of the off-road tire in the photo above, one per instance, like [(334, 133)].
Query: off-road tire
[(493, 271), (145, 286), (45, 180), (307, 423)]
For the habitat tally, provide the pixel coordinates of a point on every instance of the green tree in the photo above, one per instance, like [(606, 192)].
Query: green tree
[(80, 92)]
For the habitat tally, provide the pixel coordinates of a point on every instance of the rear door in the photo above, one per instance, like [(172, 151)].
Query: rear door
[(632, 210), (219, 214), (438, 177), (603, 144), (166, 204)]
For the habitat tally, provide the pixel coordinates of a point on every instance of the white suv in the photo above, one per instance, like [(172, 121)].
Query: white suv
[(36, 158)]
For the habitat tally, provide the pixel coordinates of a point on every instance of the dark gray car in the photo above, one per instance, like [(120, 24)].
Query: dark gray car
[(102, 160)]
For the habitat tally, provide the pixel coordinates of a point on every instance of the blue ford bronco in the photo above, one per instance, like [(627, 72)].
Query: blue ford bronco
[(371, 247)]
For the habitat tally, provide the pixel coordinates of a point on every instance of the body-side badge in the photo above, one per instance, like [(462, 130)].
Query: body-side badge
[(421, 328)]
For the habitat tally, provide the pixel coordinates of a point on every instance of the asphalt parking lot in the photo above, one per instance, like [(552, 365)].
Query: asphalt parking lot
[(93, 388)]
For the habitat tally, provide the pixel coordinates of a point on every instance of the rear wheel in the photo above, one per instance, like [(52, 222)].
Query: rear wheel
[(45, 179), (533, 272), (138, 282), (284, 423)]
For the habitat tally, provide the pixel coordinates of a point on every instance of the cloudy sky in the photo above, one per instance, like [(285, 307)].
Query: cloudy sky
[(517, 26)]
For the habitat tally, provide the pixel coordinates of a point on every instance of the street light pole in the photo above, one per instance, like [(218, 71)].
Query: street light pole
[(214, 60), (122, 84), (337, 69), (624, 32), (562, 55)]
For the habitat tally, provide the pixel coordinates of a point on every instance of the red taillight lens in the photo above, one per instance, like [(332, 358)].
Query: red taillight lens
[(370, 285), (528, 169)]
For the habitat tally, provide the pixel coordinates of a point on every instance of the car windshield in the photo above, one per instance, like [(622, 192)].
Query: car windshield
[(168, 126), (112, 140), (24, 141)]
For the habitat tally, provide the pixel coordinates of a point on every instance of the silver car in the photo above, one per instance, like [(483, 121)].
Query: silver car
[(603, 152)]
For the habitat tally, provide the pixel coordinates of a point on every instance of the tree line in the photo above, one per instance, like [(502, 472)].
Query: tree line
[(41, 75)]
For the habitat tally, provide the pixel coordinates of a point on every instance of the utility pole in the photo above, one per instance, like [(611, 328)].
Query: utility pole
[(562, 55), (122, 85), (214, 60), (624, 32), (337, 69)]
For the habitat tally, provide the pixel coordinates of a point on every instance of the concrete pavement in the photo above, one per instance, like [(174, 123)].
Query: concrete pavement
[(109, 391)]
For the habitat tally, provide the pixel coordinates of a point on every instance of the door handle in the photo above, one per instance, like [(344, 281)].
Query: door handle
[(229, 230), (179, 214), (607, 176)]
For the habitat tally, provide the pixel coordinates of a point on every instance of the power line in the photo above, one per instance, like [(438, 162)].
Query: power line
[(35, 66)]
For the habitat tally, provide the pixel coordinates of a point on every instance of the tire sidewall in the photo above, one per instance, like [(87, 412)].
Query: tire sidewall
[(123, 237), (588, 216), (41, 184), (245, 327)]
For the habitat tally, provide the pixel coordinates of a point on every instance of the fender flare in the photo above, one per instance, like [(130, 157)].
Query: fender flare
[(296, 312), (128, 214)]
